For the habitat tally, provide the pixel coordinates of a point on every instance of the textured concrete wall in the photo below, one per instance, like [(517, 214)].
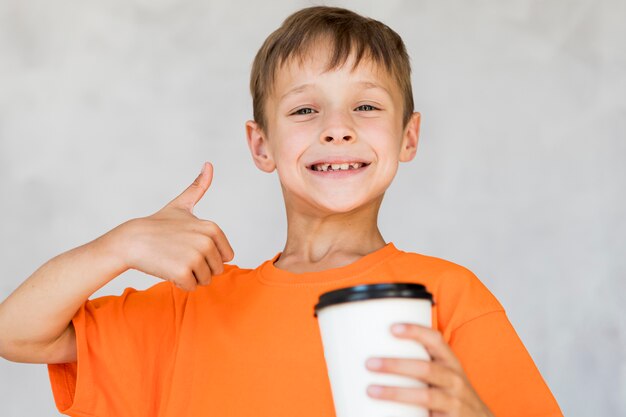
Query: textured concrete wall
[(107, 110)]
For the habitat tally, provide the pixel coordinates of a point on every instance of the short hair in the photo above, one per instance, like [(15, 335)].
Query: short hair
[(348, 33)]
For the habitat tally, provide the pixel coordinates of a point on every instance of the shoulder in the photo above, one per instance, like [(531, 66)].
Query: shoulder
[(437, 273), (459, 295), (164, 293)]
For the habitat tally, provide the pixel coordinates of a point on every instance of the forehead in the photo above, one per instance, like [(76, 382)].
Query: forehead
[(313, 65)]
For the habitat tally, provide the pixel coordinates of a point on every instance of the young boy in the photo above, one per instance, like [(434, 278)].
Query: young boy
[(333, 114)]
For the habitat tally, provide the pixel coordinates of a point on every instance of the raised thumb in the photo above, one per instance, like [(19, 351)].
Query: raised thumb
[(192, 194)]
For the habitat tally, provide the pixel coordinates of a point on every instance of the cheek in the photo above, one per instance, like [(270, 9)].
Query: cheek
[(383, 137), (290, 145)]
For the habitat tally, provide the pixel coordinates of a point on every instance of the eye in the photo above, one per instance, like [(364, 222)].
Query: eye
[(366, 107), (303, 111)]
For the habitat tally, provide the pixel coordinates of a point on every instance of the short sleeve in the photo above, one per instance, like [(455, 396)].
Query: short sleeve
[(124, 348), (500, 368)]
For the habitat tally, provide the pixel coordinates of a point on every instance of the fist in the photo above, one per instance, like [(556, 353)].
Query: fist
[(175, 245)]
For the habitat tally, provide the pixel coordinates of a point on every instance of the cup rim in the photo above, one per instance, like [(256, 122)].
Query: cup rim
[(372, 291)]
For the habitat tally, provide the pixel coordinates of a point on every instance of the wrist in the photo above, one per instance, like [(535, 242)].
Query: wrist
[(113, 245)]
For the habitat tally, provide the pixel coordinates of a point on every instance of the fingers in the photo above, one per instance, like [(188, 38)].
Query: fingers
[(219, 239), (449, 389), (432, 399), (201, 270), (213, 258), (208, 260), (428, 372), (199, 273), (185, 279), (190, 197), (431, 339)]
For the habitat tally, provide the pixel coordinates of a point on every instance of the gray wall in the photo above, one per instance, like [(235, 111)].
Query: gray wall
[(108, 109)]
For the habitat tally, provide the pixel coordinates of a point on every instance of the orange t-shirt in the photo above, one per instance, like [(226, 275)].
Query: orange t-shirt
[(249, 345)]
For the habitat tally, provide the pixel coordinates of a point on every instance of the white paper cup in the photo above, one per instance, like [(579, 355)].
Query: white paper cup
[(355, 324)]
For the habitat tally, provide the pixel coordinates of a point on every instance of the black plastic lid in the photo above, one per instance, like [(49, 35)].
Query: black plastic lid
[(372, 291)]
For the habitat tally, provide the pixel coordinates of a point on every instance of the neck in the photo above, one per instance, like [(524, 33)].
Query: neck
[(316, 243)]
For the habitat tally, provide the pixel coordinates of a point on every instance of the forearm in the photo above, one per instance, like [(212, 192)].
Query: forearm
[(42, 307)]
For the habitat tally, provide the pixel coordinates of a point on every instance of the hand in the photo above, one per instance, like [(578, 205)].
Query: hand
[(175, 245), (449, 392)]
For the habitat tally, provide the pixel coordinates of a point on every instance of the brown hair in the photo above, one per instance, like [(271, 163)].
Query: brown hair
[(347, 33)]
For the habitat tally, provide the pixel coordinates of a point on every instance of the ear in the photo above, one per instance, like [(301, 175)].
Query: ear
[(410, 138), (259, 148)]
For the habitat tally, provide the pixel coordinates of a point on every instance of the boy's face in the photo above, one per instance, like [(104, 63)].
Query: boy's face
[(340, 117)]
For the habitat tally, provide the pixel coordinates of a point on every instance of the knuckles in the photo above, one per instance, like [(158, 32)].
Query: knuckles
[(182, 274), (197, 259), (207, 245), (211, 227)]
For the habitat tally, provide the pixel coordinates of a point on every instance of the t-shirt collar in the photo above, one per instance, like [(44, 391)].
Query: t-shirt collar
[(270, 274)]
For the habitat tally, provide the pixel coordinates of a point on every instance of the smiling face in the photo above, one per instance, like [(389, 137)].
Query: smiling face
[(335, 137)]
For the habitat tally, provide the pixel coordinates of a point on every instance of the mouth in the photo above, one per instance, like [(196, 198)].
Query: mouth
[(337, 166)]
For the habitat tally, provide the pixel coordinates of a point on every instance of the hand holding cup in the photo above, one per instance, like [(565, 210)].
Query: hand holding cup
[(449, 392)]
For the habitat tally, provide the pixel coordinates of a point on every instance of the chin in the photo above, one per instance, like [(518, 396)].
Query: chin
[(341, 207)]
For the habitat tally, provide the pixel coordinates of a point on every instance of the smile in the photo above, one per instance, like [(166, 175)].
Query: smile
[(346, 166), (338, 170)]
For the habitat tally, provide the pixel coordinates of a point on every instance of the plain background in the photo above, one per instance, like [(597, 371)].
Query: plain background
[(108, 109)]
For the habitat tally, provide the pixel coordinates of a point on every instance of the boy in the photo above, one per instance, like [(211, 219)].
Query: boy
[(333, 114)]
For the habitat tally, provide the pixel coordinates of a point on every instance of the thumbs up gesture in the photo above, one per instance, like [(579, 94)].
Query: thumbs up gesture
[(175, 245)]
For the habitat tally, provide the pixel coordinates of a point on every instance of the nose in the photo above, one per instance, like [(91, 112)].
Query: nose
[(338, 129), (332, 138)]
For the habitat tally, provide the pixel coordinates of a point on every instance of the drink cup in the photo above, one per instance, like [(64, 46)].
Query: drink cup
[(355, 324)]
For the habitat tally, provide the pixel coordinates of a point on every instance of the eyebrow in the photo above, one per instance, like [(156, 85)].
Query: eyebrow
[(371, 85), (368, 85), (296, 90)]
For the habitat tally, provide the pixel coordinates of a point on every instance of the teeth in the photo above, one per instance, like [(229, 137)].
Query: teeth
[(337, 167)]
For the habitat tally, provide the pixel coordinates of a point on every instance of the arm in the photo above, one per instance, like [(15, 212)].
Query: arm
[(172, 244), (35, 320)]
